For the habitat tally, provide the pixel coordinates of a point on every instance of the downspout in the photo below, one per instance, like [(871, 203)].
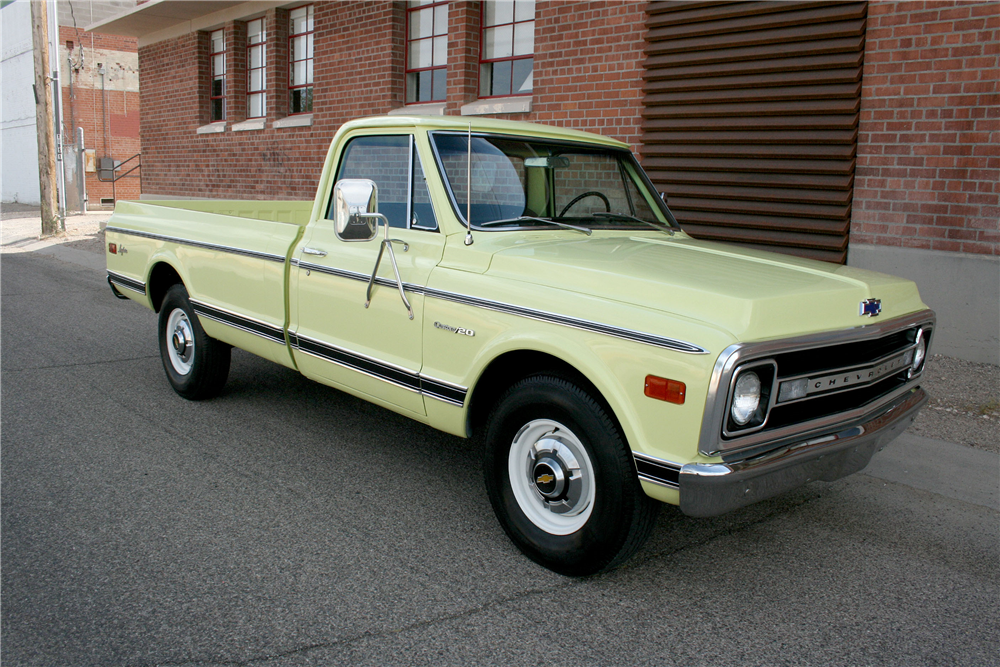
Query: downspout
[(72, 95), (104, 108)]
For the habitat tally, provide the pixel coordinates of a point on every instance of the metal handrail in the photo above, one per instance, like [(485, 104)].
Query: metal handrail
[(115, 177)]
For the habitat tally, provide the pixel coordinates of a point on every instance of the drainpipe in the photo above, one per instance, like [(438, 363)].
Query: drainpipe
[(104, 108), (81, 177), (72, 93)]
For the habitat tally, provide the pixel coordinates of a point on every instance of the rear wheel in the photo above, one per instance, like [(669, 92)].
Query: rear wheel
[(562, 481), (197, 365)]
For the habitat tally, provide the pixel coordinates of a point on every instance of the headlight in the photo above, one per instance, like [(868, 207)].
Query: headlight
[(746, 398), (919, 352)]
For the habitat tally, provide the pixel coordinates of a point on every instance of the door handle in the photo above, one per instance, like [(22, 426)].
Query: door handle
[(314, 251)]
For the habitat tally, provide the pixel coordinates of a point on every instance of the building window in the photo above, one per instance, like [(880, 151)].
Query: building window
[(218, 58), (300, 60), (426, 51), (256, 69), (507, 48)]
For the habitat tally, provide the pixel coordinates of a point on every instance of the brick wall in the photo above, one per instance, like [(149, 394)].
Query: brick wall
[(588, 67), (587, 75), (109, 118), (928, 166)]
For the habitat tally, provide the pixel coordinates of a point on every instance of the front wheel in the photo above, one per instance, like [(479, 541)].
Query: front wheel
[(197, 365), (562, 481)]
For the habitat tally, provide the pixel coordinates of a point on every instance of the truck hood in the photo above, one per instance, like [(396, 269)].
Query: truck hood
[(751, 294)]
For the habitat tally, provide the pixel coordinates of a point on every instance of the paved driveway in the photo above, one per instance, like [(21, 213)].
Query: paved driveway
[(289, 524)]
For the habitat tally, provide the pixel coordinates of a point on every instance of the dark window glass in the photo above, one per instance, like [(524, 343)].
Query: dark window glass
[(301, 100), (422, 213), (385, 160), (513, 177)]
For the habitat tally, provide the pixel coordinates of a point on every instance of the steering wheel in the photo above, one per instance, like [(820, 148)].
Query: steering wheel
[(589, 193)]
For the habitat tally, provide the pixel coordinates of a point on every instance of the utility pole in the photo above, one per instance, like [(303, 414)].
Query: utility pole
[(43, 118)]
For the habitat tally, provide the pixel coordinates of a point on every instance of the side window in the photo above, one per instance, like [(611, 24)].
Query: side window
[(392, 162), (421, 212), (640, 206)]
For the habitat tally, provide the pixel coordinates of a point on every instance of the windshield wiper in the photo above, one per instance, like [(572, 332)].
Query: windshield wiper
[(547, 221), (663, 227)]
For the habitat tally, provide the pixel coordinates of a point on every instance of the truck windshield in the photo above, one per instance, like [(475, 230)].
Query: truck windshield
[(524, 182)]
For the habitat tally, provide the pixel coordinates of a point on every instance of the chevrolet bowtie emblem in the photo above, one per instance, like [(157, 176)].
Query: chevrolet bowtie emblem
[(870, 308), (545, 479)]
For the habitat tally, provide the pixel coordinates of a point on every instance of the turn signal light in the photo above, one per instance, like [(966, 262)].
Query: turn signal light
[(113, 248), (663, 389)]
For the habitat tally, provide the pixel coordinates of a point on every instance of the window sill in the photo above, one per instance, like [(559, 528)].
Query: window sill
[(212, 128), (250, 124), (520, 104), (429, 109), (301, 120)]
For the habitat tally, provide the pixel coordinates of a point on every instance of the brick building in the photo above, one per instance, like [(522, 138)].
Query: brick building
[(100, 92), (852, 132)]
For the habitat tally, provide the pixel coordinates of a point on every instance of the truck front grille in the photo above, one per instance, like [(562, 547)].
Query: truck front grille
[(841, 361), (820, 383)]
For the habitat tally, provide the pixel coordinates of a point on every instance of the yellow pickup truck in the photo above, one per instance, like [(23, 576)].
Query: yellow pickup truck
[(526, 285)]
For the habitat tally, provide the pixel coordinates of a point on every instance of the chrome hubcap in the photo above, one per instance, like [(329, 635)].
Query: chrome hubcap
[(181, 347), (180, 340), (551, 476)]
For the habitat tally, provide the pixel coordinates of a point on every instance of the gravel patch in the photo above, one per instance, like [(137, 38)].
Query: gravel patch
[(964, 405), (90, 243)]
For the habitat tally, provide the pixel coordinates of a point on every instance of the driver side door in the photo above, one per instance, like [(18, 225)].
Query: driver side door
[(374, 351)]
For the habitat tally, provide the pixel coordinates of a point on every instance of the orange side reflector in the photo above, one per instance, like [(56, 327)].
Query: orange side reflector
[(113, 248), (663, 389)]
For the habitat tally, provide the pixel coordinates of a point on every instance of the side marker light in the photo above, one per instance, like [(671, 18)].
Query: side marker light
[(113, 248), (663, 389)]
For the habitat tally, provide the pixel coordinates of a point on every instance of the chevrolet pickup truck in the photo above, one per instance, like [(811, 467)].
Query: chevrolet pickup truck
[(525, 285)]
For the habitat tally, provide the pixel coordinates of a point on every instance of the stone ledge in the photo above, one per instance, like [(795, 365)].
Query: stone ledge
[(299, 120), (249, 124), (521, 104), (212, 128), (432, 109)]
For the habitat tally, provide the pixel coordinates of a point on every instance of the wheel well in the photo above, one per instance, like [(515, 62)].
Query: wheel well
[(161, 278), (510, 367)]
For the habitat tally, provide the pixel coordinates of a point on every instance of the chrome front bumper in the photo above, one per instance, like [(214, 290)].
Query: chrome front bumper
[(710, 489)]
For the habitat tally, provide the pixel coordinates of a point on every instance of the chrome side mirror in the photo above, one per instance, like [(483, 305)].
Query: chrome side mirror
[(355, 209)]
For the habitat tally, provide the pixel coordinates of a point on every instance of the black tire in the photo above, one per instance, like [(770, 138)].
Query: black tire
[(196, 364), (582, 541)]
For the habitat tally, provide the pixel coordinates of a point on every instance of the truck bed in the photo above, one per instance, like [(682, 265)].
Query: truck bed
[(234, 255)]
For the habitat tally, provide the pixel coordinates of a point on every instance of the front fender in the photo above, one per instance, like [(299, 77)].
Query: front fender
[(617, 368)]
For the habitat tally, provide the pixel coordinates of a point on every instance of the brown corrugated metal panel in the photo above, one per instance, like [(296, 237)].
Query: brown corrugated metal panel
[(750, 119)]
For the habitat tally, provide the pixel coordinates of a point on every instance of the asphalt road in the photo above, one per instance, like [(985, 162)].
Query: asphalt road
[(289, 524)]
